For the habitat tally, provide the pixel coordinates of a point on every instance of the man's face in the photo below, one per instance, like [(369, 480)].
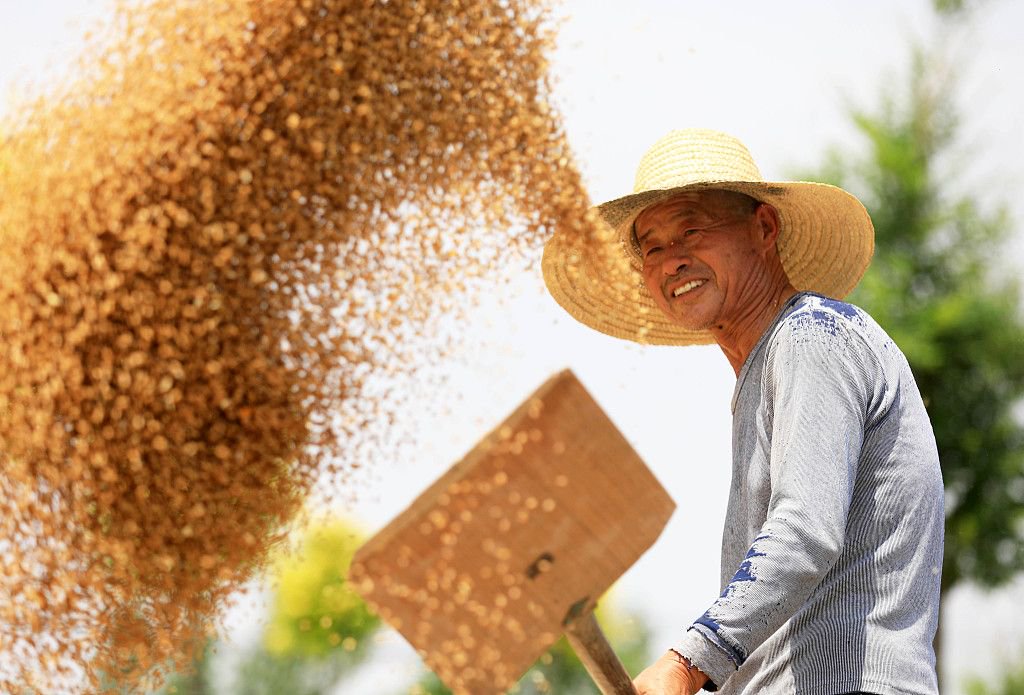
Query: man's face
[(702, 256)]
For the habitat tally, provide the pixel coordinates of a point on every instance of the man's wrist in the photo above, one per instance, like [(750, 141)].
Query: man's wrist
[(697, 677)]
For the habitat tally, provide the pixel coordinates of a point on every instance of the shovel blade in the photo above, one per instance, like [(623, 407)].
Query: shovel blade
[(483, 572)]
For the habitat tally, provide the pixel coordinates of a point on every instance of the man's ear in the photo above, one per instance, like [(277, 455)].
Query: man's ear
[(768, 225)]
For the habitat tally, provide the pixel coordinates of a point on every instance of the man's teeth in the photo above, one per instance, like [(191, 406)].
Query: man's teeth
[(691, 285)]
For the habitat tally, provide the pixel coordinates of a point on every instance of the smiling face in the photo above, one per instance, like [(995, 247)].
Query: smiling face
[(706, 256)]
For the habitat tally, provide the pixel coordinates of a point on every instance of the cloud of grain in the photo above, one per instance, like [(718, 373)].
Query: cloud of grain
[(213, 237)]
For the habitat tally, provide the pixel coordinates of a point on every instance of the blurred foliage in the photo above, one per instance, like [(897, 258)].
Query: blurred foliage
[(938, 285), (318, 628), (198, 681), (315, 612), (950, 8), (262, 673), (1010, 683), (559, 671)]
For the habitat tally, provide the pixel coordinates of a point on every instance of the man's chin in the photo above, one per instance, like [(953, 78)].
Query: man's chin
[(689, 321)]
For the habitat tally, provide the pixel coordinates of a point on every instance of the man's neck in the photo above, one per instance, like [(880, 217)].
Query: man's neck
[(738, 339)]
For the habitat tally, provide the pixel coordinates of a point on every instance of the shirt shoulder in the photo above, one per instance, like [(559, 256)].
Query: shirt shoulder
[(815, 320), (833, 338)]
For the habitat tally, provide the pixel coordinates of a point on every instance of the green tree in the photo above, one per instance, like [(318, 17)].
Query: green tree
[(1011, 682), (315, 612), (196, 681), (559, 671), (319, 628), (938, 287)]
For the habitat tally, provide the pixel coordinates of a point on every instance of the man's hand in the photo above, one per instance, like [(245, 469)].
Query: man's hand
[(670, 675)]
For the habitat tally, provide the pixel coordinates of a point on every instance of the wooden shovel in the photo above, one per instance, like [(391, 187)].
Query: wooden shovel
[(514, 545)]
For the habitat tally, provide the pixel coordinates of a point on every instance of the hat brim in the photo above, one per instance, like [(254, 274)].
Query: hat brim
[(825, 243)]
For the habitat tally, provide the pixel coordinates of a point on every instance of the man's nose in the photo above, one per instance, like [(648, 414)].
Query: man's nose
[(675, 261)]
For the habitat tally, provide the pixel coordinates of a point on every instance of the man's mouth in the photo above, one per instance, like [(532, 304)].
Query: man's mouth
[(687, 287)]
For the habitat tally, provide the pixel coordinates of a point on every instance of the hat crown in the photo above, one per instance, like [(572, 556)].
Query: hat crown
[(694, 156)]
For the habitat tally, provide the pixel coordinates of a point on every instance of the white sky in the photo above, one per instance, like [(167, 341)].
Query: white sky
[(778, 75)]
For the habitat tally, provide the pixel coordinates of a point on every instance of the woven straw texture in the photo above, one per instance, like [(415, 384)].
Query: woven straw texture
[(825, 241)]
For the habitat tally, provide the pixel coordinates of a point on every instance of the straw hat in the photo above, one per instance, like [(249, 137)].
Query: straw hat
[(825, 240)]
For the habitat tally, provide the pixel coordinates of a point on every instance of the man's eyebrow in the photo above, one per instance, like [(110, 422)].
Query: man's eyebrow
[(638, 236)]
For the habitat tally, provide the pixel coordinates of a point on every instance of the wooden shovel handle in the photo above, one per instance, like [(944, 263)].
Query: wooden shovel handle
[(590, 645)]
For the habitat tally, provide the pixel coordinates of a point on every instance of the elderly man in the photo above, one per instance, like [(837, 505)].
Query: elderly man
[(832, 548)]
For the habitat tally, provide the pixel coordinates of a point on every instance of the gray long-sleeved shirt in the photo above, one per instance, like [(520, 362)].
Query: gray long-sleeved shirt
[(832, 547)]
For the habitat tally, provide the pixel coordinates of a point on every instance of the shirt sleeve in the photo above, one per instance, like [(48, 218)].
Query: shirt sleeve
[(816, 391)]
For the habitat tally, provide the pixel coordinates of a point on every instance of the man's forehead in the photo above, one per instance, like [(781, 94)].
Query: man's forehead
[(687, 202)]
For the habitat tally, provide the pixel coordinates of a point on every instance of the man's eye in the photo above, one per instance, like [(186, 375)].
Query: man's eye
[(651, 250), (690, 232)]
